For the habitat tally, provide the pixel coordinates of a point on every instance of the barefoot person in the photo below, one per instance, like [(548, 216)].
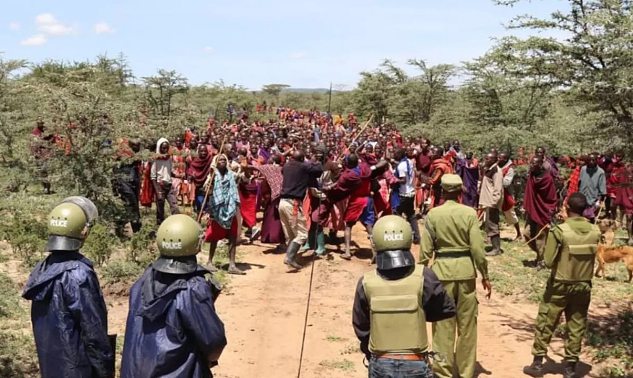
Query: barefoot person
[(570, 253), (540, 201), (224, 204)]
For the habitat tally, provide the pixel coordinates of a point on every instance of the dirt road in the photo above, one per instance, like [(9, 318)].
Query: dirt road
[(264, 313)]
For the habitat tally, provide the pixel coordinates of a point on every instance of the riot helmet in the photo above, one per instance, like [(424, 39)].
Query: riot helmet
[(69, 224), (178, 239), (392, 237)]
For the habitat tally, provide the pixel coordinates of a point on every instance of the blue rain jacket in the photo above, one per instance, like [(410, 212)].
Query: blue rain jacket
[(69, 317), (171, 326)]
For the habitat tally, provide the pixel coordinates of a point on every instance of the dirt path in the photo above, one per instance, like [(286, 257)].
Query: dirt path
[(264, 311)]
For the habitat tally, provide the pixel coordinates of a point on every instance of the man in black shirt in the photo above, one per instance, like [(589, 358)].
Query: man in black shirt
[(297, 175)]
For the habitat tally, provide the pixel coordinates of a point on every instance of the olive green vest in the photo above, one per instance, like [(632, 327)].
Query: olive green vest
[(397, 320), (577, 254)]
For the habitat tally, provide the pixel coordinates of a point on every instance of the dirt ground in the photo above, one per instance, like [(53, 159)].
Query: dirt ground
[(264, 311)]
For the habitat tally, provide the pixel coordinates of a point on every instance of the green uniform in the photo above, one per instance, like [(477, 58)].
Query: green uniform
[(452, 233), (396, 314), (570, 253)]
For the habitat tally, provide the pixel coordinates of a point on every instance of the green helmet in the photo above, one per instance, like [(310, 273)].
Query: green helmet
[(178, 240), (69, 224), (392, 237)]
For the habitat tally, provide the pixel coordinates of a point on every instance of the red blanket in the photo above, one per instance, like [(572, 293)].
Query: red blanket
[(540, 198)]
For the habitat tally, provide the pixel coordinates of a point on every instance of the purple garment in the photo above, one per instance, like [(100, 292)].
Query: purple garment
[(470, 177), (265, 154), (272, 232)]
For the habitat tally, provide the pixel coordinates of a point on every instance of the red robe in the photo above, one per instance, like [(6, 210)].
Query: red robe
[(355, 184), (540, 198)]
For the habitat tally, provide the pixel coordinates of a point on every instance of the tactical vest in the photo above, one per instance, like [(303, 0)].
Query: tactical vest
[(398, 323), (577, 254)]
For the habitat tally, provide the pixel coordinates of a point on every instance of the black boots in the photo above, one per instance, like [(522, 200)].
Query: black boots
[(569, 370), (536, 368), (496, 246), (291, 254)]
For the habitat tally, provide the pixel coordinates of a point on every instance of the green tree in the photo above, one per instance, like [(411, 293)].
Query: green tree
[(592, 60)]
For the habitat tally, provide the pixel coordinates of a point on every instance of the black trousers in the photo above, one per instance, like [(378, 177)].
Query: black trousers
[(407, 207), (129, 192)]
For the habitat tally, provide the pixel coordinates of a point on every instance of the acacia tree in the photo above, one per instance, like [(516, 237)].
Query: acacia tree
[(391, 92), (12, 127), (592, 61), (161, 90)]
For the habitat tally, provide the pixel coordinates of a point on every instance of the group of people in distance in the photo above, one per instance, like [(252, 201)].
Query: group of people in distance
[(312, 177)]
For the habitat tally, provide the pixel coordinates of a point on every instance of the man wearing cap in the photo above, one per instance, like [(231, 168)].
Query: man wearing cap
[(452, 238)]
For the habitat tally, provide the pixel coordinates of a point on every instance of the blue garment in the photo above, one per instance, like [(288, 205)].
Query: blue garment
[(368, 217), (593, 184), (171, 326), (70, 322), (384, 367), (394, 199), (224, 201)]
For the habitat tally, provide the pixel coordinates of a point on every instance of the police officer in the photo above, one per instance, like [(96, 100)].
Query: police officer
[(451, 233), (172, 328), (570, 253), (68, 313), (393, 303), (127, 185)]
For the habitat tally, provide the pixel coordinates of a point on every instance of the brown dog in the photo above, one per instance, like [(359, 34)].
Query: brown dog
[(607, 229), (607, 255)]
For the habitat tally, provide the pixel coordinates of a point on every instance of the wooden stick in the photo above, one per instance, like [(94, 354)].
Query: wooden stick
[(360, 132), (212, 175), (537, 235), (600, 210)]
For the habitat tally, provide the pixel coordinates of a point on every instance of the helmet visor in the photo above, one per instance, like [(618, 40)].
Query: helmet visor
[(387, 260), (86, 205)]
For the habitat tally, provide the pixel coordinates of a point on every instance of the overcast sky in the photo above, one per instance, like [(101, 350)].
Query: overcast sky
[(303, 43)]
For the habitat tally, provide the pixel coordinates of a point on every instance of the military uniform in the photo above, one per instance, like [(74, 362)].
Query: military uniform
[(393, 303), (570, 252), (452, 235)]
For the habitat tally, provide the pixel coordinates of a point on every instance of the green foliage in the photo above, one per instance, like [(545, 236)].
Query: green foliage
[(23, 225), (274, 89), (592, 64), (17, 350), (121, 271), (142, 245), (612, 339), (389, 93), (100, 244)]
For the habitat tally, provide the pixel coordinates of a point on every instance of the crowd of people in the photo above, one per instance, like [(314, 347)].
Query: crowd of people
[(308, 173), (365, 173)]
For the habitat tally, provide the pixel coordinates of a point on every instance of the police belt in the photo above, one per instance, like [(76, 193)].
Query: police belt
[(403, 356), (452, 254)]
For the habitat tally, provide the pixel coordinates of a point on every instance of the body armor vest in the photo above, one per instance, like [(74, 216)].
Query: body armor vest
[(398, 323), (577, 255)]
